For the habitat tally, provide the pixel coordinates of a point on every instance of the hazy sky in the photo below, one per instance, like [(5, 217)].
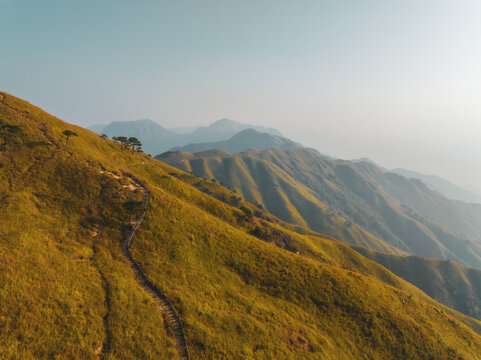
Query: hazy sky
[(396, 81)]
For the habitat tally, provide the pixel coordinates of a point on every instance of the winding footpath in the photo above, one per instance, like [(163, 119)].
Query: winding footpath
[(171, 316)]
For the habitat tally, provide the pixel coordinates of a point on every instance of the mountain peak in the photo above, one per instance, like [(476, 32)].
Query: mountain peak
[(228, 128), (241, 141)]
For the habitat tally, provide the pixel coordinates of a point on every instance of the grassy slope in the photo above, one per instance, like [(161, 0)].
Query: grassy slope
[(54, 272), (447, 282), (316, 246), (265, 183), (240, 297), (414, 194)]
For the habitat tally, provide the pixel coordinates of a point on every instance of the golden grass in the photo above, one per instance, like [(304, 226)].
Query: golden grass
[(241, 297)]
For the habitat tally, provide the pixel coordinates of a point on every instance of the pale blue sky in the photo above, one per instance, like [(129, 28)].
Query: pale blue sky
[(397, 81)]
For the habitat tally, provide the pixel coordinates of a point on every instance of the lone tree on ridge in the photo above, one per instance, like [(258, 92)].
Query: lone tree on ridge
[(68, 134)]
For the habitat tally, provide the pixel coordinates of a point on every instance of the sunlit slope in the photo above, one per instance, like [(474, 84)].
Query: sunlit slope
[(65, 288), (264, 183)]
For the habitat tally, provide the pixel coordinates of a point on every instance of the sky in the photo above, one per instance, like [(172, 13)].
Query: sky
[(397, 81)]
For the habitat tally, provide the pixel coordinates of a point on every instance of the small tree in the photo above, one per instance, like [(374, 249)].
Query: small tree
[(247, 211), (68, 134), (124, 142), (9, 132), (104, 136), (135, 144), (134, 208), (258, 232)]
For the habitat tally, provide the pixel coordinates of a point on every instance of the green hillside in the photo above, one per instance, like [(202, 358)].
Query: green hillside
[(403, 213), (68, 292), (264, 183)]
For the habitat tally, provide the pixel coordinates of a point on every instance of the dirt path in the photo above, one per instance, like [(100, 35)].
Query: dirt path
[(170, 314)]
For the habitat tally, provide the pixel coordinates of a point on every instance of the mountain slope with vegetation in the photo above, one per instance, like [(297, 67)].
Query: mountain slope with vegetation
[(443, 186), (436, 183), (445, 281), (264, 183), (244, 287), (403, 213)]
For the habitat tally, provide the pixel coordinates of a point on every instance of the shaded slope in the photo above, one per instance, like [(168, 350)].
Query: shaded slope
[(239, 296), (387, 205), (245, 139), (447, 282), (415, 195), (472, 209), (443, 186)]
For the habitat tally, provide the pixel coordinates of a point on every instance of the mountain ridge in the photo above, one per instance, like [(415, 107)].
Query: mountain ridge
[(441, 185), (402, 212), (157, 138), (242, 141)]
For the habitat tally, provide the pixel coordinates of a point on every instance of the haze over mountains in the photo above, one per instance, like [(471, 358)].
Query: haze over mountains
[(442, 186), (246, 285), (157, 139), (243, 140), (436, 183)]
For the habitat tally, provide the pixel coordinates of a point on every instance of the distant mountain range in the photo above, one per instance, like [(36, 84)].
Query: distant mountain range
[(157, 139), (442, 186), (243, 140), (436, 183)]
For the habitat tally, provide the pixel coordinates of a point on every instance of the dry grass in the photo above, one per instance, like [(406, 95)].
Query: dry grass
[(65, 288)]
